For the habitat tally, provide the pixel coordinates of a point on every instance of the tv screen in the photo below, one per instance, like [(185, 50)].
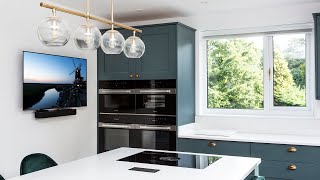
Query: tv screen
[(53, 81)]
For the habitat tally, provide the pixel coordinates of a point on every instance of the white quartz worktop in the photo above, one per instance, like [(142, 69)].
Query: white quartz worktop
[(190, 131), (106, 167)]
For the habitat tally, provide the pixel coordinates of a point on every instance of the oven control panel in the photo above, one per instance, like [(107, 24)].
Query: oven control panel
[(138, 119)]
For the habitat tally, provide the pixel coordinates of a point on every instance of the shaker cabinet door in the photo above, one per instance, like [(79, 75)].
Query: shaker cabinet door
[(160, 58), (115, 66)]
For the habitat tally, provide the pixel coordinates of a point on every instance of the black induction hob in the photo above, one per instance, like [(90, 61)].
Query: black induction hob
[(172, 159)]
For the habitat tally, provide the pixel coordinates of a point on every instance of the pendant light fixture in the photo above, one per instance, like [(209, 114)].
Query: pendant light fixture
[(87, 36), (53, 31), (134, 47), (112, 40)]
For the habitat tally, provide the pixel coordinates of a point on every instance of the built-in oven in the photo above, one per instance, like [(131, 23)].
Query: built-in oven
[(156, 97), (117, 97), (137, 131)]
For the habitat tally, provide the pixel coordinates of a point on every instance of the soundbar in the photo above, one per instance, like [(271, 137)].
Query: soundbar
[(54, 113)]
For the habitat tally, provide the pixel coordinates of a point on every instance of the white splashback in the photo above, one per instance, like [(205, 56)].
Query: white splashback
[(268, 125)]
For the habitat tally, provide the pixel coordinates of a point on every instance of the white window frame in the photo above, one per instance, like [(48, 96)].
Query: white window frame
[(269, 109)]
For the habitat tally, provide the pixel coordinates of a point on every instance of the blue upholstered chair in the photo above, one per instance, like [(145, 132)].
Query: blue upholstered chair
[(36, 162)]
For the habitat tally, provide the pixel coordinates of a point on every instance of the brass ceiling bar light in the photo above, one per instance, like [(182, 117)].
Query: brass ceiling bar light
[(85, 15)]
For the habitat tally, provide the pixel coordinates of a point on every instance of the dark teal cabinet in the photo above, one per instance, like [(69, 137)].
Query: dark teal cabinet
[(277, 169), (286, 153), (214, 147), (115, 67), (160, 59), (279, 162), (317, 52)]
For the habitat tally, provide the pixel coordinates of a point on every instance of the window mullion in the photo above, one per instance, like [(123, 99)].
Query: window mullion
[(268, 73)]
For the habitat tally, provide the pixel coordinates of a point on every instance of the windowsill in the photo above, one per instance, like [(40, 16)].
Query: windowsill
[(189, 131)]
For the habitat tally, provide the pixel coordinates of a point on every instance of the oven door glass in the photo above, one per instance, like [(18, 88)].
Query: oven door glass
[(156, 104), (160, 140), (117, 103), (110, 139)]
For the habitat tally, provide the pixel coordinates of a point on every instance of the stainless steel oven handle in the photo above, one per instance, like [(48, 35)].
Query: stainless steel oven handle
[(118, 126), (161, 128), (115, 91), (156, 91)]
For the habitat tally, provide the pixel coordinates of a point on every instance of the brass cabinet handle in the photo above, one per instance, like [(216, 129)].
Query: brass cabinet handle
[(131, 75), (137, 76), (292, 149), (212, 144), (292, 167)]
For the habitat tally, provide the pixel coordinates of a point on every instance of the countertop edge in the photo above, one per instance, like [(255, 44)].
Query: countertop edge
[(187, 132)]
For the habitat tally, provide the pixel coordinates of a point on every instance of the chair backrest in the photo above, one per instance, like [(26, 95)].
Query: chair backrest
[(1, 178), (36, 162)]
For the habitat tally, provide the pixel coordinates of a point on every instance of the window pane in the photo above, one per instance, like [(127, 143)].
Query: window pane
[(235, 73), (289, 80)]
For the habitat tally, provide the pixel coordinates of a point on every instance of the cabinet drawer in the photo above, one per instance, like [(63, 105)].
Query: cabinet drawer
[(214, 147), (274, 169), (276, 152)]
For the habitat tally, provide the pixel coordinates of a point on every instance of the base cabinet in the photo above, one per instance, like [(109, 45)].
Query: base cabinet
[(279, 162), (214, 147), (275, 169)]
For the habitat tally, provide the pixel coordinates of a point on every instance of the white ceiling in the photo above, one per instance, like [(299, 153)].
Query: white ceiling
[(126, 10)]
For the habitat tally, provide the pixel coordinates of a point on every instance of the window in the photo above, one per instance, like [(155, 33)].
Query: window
[(256, 74), (235, 73)]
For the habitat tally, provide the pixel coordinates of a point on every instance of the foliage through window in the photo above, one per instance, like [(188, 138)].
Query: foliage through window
[(240, 72), (289, 72)]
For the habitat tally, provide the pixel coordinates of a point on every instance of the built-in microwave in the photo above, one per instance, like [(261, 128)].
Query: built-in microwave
[(140, 97), (117, 97)]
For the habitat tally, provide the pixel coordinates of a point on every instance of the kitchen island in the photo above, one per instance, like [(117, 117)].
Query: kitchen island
[(106, 166)]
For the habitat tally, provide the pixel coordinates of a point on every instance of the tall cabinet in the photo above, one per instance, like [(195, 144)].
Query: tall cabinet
[(316, 17), (170, 54)]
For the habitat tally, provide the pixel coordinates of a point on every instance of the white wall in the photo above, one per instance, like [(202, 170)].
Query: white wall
[(65, 138)]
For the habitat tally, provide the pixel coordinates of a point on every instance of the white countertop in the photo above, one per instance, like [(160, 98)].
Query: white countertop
[(189, 131), (106, 167)]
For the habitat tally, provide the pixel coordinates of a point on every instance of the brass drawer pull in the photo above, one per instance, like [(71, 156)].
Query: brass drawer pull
[(292, 149), (137, 76), (131, 75), (212, 144), (292, 167)]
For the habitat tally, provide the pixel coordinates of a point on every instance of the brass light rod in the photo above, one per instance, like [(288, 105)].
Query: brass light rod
[(85, 15)]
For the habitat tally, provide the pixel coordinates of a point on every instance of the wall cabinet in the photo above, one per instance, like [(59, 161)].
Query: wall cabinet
[(317, 52), (115, 67), (279, 162), (158, 62)]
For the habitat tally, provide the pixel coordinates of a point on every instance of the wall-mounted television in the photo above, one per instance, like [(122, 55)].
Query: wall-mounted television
[(53, 82)]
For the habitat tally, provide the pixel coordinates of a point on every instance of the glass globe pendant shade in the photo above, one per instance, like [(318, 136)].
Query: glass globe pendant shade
[(87, 37), (53, 31), (112, 42), (134, 47)]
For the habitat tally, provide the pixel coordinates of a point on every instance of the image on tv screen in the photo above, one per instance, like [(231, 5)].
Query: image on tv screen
[(53, 81)]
